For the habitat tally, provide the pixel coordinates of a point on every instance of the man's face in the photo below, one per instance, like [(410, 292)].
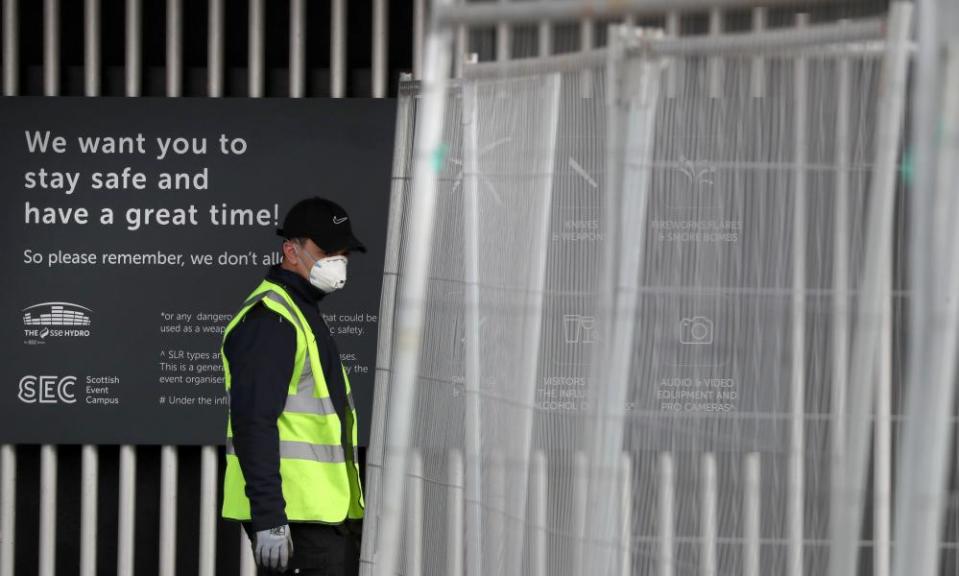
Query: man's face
[(302, 254)]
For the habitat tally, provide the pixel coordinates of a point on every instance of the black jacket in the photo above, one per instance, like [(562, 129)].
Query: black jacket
[(261, 352)]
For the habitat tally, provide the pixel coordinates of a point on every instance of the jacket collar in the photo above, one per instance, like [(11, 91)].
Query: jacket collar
[(296, 285)]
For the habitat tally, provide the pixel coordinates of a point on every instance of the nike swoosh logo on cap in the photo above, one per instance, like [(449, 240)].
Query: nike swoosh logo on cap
[(339, 220)]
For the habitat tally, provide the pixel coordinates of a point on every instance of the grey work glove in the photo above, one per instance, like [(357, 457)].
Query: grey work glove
[(273, 548)]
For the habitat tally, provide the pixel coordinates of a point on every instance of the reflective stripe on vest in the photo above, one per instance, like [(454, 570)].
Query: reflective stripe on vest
[(303, 402), (305, 451)]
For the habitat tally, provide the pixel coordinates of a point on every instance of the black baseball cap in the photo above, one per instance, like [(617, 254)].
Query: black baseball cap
[(324, 222)]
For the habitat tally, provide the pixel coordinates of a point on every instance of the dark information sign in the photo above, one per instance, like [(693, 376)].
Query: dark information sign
[(134, 228)]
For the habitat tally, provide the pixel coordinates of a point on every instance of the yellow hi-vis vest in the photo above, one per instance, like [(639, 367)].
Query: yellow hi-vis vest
[(320, 484)]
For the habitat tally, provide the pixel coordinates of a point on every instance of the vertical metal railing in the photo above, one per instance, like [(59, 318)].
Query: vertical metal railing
[(419, 33), (841, 300), (338, 48), (297, 48), (209, 461), (255, 56), (8, 494), (90, 457), (874, 291), (381, 44), (758, 73), (796, 467), (126, 521), (169, 455), (626, 488), (256, 70), (214, 49), (504, 40), (666, 518), (48, 453), (454, 536), (11, 48), (709, 496), (752, 498)]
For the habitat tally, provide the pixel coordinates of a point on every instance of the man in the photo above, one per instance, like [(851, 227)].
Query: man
[(291, 472)]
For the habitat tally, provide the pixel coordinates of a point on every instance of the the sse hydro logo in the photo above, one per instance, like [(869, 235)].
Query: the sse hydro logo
[(47, 390), (50, 320)]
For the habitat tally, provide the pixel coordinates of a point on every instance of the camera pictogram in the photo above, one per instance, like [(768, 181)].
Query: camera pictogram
[(696, 330)]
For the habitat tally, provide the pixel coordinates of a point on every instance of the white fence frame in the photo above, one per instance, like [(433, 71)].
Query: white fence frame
[(459, 17)]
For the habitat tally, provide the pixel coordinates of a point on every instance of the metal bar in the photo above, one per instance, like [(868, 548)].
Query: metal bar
[(414, 517), (778, 40), (338, 48), (48, 510), (454, 527), (812, 39), (878, 241), (429, 157), (247, 563), (709, 497), (48, 453), (666, 531), (174, 48), (586, 44), (256, 57), (924, 493), (473, 338), (134, 47), (540, 491), (542, 161), (545, 39), (168, 454), (214, 49), (924, 93), (495, 519), (580, 509), (715, 63), (208, 510), (758, 73), (91, 47), (882, 455), (297, 48), (461, 44), (381, 44), (11, 48), (419, 30), (89, 453), (573, 61), (126, 521), (168, 499), (626, 510), (840, 320), (796, 468), (90, 472), (487, 14), (126, 508), (51, 47), (674, 70), (8, 508), (751, 514), (632, 93), (402, 155), (504, 39)]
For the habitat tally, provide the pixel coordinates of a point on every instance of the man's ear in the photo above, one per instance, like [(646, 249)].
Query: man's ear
[(290, 252)]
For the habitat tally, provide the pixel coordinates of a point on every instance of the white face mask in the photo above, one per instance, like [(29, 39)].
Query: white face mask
[(328, 274)]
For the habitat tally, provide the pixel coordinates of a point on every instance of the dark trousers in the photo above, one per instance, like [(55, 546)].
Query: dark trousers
[(322, 550)]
